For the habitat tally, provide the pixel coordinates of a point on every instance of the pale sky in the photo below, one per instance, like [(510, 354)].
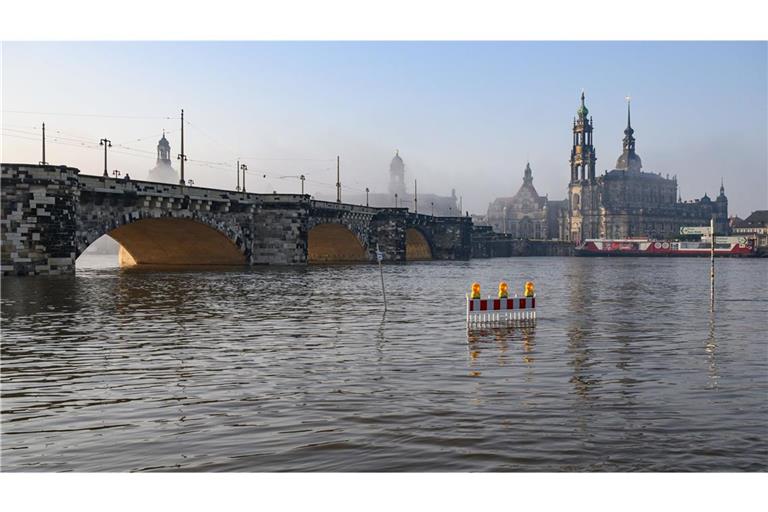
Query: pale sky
[(464, 115)]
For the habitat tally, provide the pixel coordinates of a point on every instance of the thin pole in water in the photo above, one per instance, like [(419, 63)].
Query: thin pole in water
[(712, 264), (379, 257)]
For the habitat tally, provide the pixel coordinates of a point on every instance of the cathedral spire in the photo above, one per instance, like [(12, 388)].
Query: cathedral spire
[(629, 160), (628, 131)]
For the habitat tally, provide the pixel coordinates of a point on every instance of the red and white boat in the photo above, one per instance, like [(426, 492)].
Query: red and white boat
[(724, 246)]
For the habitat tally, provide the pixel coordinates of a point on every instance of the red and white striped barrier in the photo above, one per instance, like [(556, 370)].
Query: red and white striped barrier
[(486, 312)]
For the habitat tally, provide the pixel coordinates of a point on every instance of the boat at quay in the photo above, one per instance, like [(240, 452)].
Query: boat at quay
[(733, 246)]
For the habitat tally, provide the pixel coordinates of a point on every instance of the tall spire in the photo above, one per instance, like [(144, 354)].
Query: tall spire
[(583, 110), (628, 130), (629, 160), (722, 187)]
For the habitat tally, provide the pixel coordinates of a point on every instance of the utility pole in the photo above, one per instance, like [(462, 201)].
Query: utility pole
[(243, 168), (366, 196), (237, 171), (338, 181), (415, 198), (302, 178), (182, 156), (43, 162), (107, 144)]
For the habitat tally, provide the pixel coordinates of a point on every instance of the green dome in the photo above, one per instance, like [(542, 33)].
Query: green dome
[(583, 111)]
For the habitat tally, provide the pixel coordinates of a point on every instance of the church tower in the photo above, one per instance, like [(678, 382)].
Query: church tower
[(582, 190), (583, 152), (397, 176), (164, 151), (163, 172)]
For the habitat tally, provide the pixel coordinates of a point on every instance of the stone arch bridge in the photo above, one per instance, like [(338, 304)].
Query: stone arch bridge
[(51, 214)]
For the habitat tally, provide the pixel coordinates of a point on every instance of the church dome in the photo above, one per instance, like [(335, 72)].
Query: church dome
[(583, 110), (629, 161), (163, 141)]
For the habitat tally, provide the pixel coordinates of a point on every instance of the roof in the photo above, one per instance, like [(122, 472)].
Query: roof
[(757, 218)]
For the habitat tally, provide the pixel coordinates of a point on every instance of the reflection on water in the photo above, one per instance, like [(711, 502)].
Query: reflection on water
[(299, 369), (711, 349)]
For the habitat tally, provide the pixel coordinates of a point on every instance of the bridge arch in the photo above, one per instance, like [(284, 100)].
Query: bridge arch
[(417, 246), (169, 240), (333, 242)]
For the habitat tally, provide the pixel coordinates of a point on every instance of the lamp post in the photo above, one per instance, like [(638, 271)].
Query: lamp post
[(182, 156), (395, 199), (107, 144), (116, 173), (43, 162), (432, 203), (338, 180), (415, 198), (190, 182), (237, 171), (243, 168), (366, 196), (302, 178)]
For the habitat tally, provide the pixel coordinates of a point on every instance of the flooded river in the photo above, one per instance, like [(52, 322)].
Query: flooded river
[(299, 369)]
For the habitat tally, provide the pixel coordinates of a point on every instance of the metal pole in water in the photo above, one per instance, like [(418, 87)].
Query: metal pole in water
[(379, 257), (712, 264)]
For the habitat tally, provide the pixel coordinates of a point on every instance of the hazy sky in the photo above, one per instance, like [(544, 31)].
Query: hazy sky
[(464, 115)]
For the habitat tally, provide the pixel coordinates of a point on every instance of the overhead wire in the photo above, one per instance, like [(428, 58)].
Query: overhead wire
[(113, 116), (72, 140)]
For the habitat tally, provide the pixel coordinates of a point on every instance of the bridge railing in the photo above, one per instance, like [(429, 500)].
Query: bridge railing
[(103, 184), (347, 207)]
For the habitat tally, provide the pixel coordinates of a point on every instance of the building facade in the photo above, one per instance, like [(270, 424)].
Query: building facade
[(755, 226), (524, 215), (627, 201), (163, 172)]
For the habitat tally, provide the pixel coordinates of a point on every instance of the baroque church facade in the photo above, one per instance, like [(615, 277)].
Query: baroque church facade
[(526, 214), (627, 201)]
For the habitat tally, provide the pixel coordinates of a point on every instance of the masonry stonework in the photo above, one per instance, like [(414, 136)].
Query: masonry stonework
[(51, 214)]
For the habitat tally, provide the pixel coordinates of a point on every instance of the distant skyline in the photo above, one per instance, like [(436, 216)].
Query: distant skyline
[(464, 115)]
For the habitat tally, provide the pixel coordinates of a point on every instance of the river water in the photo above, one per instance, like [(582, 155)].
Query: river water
[(299, 369)]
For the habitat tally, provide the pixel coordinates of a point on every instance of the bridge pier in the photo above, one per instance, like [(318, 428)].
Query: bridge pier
[(39, 219)]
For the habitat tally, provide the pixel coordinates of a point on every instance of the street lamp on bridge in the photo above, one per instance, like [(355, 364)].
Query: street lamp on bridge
[(243, 168), (107, 144)]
